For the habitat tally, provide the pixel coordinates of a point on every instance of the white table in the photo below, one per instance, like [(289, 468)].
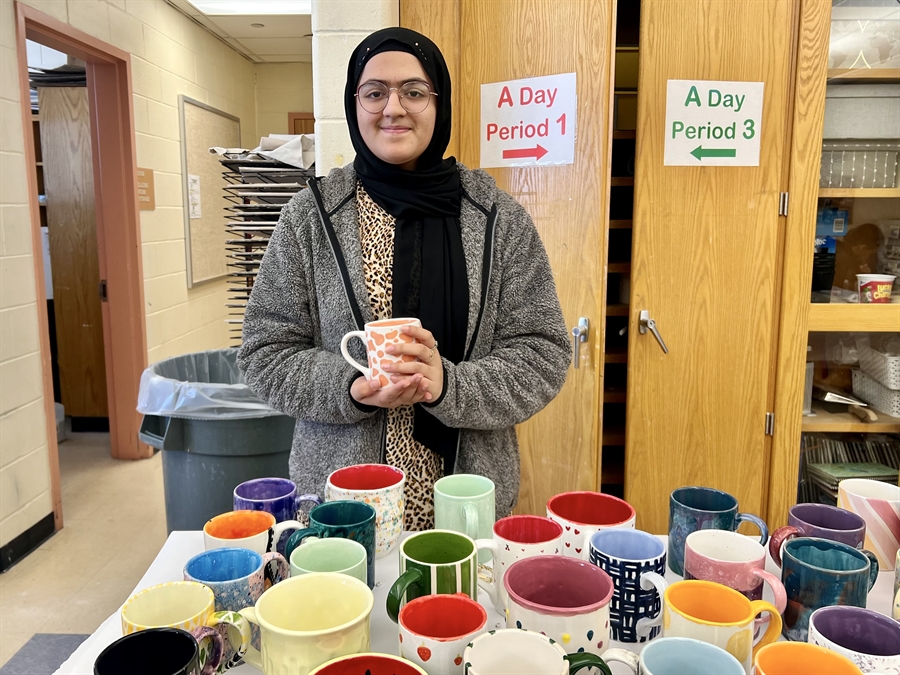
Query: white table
[(181, 546)]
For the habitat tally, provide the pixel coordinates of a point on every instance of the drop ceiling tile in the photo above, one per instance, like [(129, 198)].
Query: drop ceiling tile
[(290, 26), (286, 58), (296, 45)]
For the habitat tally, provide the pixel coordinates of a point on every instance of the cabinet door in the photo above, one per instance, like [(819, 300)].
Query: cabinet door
[(498, 41), (705, 263)]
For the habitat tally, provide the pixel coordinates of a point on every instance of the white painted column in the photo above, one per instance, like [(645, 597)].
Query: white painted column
[(338, 26)]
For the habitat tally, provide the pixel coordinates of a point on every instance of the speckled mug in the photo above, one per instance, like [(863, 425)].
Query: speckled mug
[(381, 487), (869, 639)]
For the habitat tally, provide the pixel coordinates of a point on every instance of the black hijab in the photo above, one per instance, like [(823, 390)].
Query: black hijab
[(429, 270)]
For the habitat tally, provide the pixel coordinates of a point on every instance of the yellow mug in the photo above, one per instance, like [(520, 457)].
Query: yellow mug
[(308, 620), (713, 613), (799, 658)]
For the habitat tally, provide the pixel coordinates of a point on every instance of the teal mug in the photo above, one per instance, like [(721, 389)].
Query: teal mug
[(464, 503), (435, 562)]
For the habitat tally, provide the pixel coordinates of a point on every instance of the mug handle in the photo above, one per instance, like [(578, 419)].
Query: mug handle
[(649, 581), (873, 567), (296, 539), (756, 520), (300, 499), (630, 659), (774, 629), (583, 660), (353, 362), (779, 537), (398, 590), (470, 515), (240, 624), (777, 588), (211, 659), (275, 568), (252, 655), (491, 587)]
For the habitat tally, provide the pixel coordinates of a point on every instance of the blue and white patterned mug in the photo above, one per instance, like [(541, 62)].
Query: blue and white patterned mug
[(636, 563), (702, 508)]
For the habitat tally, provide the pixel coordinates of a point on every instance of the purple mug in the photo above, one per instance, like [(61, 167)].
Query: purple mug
[(277, 496), (822, 521), (869, 639)]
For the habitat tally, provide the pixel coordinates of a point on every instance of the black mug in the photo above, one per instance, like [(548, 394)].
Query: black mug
[(161, 651)]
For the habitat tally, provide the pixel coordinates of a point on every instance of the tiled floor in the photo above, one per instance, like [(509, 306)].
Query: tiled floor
[(114, 525)]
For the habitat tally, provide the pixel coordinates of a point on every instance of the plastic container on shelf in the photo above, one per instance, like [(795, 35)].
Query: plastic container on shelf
[(876, 395), (881, 367), (214, 433)]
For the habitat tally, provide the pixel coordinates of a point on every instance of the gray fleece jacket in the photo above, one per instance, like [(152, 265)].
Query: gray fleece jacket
[(517, 347)]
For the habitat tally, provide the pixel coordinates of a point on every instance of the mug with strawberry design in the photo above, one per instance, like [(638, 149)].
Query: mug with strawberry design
[(435, 629), (583, 513)]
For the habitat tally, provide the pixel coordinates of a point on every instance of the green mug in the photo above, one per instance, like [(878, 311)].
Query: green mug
[(343, 556), (435, 562), (464, 502)]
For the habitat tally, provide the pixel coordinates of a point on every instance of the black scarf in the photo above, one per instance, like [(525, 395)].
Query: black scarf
[(429, 271)]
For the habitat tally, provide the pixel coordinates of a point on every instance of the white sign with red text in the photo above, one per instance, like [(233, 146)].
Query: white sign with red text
[(529, 122)]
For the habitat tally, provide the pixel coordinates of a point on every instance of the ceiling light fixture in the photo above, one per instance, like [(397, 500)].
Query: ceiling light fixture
[(252, 7)]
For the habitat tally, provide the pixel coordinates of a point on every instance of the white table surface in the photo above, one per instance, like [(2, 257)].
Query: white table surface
[(181, 546)]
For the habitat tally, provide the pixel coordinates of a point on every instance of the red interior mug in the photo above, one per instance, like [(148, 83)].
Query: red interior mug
[(368, 664), (435, 629), (583, 513)]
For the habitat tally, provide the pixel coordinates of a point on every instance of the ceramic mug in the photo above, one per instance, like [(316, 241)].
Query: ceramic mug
[(515, 651), (636, 563), (348, 519), (277, 496), (368, 664), (343, 556), (435, 562), (895, 610), (879, 505), (376, 336), (255, 530), (435, 629), (515, 538), (160, 650), (677, 656), (713, 613), (465, 503), (583, 513), (381, 487), (702, 508), (237, 577), (818, 573), (733, 560), (309, 620), (189, 606), (822, 521), (798, 658), (564, 598), (869, 639)]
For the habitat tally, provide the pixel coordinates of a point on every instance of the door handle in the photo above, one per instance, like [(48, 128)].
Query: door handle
[(579, 335), (645, 323)]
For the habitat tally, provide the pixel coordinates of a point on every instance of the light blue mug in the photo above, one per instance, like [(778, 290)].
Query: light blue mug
[(464, 503), (677, 656)]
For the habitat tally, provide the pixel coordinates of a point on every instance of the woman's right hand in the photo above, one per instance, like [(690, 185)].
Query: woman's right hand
[(406, 392)]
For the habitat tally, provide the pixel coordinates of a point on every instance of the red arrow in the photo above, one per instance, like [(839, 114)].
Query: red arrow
[(537, 152)]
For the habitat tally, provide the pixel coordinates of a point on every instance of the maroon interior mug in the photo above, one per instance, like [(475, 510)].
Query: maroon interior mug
[(822, 521)]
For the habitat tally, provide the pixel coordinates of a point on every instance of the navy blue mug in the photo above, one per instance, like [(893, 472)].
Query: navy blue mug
[(820, 573), (277, 496), (703, 508)]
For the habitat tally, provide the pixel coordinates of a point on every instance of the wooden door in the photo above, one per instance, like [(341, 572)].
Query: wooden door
[(705, 263), (515, 39), (69, 186), (301, 123)]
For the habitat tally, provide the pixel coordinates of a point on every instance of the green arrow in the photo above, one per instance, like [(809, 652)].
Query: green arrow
[(700, 153)]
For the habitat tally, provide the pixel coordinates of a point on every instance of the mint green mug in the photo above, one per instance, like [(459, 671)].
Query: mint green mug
[(464, 502), (344, 556)]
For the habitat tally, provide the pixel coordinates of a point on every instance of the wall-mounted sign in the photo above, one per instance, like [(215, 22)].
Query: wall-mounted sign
[(146, 190), (529, 122), (710, 123)]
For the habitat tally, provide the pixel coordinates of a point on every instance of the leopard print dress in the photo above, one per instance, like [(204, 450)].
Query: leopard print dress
[(421, 465)]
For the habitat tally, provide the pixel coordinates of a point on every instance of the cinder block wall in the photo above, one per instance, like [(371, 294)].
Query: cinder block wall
[(281, 88)]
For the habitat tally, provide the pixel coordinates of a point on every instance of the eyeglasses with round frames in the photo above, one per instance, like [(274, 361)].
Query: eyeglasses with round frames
[(414, 96)]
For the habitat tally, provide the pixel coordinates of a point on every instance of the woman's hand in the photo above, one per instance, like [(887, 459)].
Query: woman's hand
[(406, 392), (427, 364)]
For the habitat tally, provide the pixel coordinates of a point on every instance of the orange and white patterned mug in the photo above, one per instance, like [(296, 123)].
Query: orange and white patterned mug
[(377, 336)]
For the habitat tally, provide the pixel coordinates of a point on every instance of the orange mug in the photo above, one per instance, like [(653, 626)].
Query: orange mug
[(799, 658)]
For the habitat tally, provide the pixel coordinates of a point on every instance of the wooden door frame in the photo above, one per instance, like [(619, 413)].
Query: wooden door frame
[(118, 228)]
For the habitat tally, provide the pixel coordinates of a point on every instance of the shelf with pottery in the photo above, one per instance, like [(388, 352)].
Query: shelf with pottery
[(841, 317), (859, 193), (867, 75), (846, 422)]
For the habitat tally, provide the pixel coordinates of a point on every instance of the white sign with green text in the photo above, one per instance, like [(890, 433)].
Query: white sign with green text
[(710, 123)]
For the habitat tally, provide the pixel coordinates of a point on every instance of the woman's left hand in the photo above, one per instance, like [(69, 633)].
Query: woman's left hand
[(428, 361)]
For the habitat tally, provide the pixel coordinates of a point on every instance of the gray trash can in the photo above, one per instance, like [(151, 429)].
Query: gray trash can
[(213, 431)]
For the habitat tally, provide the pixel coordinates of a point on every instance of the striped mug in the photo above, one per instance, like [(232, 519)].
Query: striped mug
[(435, 562)]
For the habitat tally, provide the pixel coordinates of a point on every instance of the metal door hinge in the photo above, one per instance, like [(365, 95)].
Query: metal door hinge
[(783, 204), (770, 424), (101, 290)]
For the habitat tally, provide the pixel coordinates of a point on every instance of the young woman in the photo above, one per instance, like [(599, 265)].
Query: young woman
[(404, 232)]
